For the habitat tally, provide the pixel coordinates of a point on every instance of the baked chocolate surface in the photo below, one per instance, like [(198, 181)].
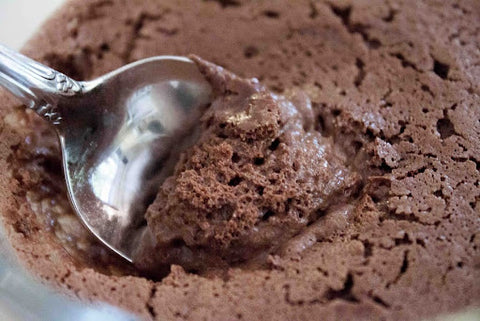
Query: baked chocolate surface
[(393, 88)]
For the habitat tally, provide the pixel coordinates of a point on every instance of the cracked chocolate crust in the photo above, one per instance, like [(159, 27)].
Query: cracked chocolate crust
[(394, 84)]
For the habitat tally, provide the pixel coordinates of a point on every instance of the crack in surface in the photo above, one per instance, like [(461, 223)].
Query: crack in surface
[(137, 26), (313, 10), (149, 304), (361, 72), (361, 29), (440, 69), (344, 294), (402, 217), (226, 3), (403, 270), (391, 15), (404, 61), (380, 301), (445, 127)]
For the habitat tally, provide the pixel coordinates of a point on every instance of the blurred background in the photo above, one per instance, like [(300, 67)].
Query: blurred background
[(20, 18)]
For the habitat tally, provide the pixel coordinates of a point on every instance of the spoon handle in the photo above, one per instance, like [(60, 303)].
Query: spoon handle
[(37, 86)]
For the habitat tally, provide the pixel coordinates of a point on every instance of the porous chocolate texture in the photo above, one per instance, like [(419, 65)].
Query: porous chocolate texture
[(393, 85), (257, 176)]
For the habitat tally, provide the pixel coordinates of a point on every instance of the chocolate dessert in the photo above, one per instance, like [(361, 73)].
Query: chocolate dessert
[(343, 184), (257, 176)]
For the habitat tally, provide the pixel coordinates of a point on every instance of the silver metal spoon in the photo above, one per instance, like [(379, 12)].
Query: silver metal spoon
[(116, 133)]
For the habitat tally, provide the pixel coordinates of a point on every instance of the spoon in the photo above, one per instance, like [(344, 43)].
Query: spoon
[(116, 133)]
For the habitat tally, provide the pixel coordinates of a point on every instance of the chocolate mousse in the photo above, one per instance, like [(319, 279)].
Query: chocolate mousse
[(257, 176), (343, 185)]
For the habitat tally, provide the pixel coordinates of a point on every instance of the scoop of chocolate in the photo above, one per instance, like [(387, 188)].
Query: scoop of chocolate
[(257, 175)]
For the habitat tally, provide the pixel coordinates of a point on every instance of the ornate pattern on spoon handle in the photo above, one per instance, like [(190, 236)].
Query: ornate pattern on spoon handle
[(65, 86), (37, 86)]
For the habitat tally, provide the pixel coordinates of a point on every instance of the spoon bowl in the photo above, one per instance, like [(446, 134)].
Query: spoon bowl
[(118, 133)]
